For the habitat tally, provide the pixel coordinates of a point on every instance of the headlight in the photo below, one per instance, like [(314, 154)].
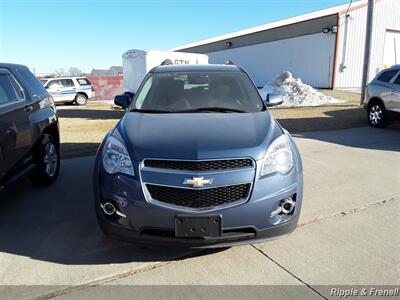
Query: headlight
[(279, 156), (116, 158)]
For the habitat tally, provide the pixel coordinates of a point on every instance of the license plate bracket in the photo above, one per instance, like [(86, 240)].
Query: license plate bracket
[(198, 226)]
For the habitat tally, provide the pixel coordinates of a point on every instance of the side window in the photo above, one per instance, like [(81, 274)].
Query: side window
[(397, 81), (18, 89), (7, 92), (67, 83), (33, 85), (83, 81), (387, 76), (53, 84)]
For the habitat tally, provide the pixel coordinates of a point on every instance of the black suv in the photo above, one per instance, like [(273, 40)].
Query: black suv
[(29, 135)]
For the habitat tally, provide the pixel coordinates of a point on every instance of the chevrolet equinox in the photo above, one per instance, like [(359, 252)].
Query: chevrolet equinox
[(198, 160)]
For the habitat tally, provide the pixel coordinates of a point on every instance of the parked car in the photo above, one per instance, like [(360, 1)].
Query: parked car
[(29, 136), (382, 100), (198, 160), (69, 89)]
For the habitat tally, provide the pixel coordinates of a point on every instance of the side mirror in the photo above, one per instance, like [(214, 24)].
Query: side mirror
[(130, 94), (274, 100), (122, 100)]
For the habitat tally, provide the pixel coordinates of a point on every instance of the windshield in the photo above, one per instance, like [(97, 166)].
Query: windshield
[(43, 81), (198, 92)]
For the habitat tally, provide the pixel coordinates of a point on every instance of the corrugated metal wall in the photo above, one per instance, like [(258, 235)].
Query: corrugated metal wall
[(309, 57), (351, 49)]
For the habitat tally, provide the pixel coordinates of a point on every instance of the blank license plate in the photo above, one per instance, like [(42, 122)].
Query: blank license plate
[(189, 226)]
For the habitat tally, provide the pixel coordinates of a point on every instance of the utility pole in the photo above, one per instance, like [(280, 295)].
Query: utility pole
[(367, 51)]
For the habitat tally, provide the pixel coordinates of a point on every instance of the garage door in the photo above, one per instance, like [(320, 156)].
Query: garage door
[(391, 53)]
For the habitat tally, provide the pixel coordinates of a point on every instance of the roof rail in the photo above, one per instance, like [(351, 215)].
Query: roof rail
[(229, 62), (166, 62)]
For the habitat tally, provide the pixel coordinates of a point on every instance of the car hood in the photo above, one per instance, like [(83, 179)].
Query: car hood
[(197, 136)]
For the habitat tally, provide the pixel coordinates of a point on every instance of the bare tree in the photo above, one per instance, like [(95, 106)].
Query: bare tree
[(74, 71), (59, 72)]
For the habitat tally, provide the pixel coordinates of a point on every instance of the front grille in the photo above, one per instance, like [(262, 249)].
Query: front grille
[(207, 165), (201, 198)]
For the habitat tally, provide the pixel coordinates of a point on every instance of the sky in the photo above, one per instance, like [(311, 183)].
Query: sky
[(47, 35)]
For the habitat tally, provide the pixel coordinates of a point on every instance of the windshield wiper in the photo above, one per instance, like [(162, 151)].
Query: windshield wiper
[(201, 109), (151, 111), (211, 109)]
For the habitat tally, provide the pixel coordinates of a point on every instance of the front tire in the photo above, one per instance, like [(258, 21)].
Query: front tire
[(47, 158), (377, 115), (80, 100)]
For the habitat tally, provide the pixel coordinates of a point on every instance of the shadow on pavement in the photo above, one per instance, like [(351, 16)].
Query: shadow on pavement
[(72, 150), (95, 114), (334, 120), (355, 130), (387, 139), (58, 224)]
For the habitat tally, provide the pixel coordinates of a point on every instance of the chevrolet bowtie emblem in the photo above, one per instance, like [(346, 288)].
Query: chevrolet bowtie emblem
[(198, 182)]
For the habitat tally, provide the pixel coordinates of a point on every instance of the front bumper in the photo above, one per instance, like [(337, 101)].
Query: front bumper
[(244, 223), (228, 239)]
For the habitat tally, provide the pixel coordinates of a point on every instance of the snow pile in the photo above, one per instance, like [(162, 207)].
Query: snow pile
[(296, 93)]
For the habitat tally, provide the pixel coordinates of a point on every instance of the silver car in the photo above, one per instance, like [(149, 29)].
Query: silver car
[(383, 96)]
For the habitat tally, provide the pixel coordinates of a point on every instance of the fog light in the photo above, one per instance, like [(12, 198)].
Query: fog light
[(285, 207), (109, 209)]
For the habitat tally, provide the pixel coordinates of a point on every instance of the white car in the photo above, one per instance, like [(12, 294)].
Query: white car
[(69, 89)]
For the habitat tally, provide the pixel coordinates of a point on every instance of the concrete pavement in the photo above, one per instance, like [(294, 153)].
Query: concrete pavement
[(347, 234)]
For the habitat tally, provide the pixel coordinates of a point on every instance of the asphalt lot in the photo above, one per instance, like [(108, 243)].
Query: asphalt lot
[(348, 233)]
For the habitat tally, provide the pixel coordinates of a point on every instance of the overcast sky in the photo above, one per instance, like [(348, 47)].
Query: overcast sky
[(50, 34)]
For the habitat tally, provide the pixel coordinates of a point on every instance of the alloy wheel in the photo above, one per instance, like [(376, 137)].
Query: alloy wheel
[(375, 114), (50, 159), (81, 100)]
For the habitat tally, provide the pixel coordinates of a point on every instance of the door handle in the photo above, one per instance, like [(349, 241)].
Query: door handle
[(28, 108)]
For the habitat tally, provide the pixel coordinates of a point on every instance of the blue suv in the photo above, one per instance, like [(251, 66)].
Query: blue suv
[(29, 134), (198, 160)]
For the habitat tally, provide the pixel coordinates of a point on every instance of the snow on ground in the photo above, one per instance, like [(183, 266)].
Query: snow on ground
[(296, 93)]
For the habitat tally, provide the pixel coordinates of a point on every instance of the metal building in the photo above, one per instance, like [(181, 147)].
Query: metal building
[(324, 48)]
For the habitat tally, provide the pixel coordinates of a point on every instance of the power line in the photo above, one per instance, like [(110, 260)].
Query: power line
[(348, 8)]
